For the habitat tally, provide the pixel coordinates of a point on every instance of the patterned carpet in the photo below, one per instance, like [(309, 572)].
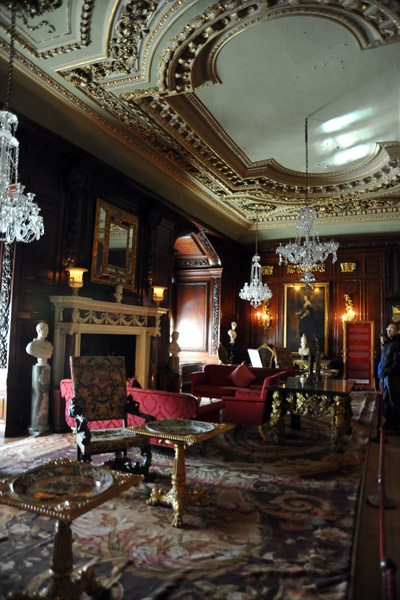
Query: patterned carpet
[(279, 523)]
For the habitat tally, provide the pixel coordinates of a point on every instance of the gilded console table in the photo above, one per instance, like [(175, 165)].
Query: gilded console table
[(301, 396), (180, 433), (64, 490)]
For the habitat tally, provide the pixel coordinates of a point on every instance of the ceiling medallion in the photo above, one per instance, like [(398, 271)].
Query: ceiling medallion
[(306, 255)]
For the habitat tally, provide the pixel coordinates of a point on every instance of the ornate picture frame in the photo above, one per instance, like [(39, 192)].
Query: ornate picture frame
[(305, 311), (114, 246)]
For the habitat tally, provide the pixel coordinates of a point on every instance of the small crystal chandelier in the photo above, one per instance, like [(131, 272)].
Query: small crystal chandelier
[(255, 292), (19, 214), (312, 251)]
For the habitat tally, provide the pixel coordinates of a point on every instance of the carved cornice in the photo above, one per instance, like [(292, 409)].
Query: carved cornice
[(161, 117)]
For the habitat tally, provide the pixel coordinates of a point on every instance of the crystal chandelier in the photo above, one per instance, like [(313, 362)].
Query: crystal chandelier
[(312, 251), (19, 214), (255, 291)]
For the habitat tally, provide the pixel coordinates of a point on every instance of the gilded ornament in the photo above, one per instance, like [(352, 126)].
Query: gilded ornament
[(348, 267), (267, 270)]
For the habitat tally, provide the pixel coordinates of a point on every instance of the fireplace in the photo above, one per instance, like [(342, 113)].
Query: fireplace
[(106, 344), (87, 326)]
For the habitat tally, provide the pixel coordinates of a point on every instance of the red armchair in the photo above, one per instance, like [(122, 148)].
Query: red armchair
[(252, 406)]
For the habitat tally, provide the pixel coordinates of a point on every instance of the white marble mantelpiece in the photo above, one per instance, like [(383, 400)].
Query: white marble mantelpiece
[(77, 315)]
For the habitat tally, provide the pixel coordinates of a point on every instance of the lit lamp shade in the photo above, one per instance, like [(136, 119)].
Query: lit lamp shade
[(158, 293), (75, 278)]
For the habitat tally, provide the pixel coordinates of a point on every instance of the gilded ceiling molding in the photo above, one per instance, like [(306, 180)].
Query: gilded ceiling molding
[(151, 113), (28, 10), (371, 23), (128, 49)]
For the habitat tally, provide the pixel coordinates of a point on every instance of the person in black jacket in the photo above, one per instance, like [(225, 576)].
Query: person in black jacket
[(390, 375)]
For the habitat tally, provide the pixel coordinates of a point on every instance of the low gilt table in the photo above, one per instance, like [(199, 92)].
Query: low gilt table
[(301, 396), (64, 490), (180, 433)]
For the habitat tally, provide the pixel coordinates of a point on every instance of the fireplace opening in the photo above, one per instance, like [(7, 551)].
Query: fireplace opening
[(111, 345)]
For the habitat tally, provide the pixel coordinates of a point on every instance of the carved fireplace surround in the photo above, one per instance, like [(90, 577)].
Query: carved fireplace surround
[(76, 315)]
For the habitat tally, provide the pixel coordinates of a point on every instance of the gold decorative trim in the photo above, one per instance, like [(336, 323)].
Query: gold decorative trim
[(348, 267), (318, 268), (268, 270)]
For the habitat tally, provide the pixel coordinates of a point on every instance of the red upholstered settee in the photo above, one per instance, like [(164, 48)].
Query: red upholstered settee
[(159, 404), (215, 381), (248, 403)]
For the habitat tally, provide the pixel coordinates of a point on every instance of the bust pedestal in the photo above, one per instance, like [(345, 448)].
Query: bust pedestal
[(173, 364), (40, 398)]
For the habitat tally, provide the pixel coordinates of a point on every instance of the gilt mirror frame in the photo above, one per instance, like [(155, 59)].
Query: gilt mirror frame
[(114, 246)]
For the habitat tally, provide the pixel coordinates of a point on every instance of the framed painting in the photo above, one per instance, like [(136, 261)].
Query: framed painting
[(395, 316), (305, 312)]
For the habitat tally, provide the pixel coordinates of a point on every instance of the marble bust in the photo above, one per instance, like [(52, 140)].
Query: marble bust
[(304, 350), (39, 347), (232, 332), (174, 347)]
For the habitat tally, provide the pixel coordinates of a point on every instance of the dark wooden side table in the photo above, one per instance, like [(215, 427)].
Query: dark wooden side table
[(301, 396), (64, 490)]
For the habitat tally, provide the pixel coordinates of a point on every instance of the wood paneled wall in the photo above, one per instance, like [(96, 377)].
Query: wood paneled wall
[(366, 270), (67, 183)]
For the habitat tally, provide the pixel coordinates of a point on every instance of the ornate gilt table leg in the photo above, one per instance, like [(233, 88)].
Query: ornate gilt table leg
[(276, 422), (62, 586), (177, 496), (339, 422)]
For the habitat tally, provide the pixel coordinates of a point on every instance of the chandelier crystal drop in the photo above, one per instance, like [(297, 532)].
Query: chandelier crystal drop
[(306, 255), (255, 292), (19, 214)]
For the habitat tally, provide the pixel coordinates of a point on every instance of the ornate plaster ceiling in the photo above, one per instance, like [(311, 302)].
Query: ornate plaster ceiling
[(208, 101)]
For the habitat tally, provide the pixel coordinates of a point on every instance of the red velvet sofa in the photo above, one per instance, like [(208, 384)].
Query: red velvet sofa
[(216, 381), (159, 404), (247, 400)]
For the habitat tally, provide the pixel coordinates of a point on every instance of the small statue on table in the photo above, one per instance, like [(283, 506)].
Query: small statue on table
[(232, 337), (304, 350), (174, 350)]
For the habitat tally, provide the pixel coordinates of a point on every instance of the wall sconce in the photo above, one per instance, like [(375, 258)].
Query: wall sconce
[(75, 278), (158, 294), (264, 317), (349, 314)]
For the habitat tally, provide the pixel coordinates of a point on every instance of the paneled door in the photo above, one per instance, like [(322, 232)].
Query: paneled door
[(358, 352)]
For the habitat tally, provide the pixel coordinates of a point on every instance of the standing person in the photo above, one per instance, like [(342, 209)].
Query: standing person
[(390, 375), (382, 338)]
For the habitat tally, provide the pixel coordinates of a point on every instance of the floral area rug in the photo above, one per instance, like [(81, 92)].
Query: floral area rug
[(279, 521)]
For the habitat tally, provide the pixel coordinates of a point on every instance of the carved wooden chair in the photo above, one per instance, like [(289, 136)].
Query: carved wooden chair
[(99, 386), (283, 358), (267, 355)]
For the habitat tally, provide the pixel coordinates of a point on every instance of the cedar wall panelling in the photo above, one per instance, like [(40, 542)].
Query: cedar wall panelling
[(67, 183), (196, 313), (366, 285)]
